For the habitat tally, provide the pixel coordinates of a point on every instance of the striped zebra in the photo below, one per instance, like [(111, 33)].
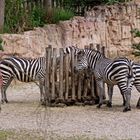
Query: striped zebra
[(71, 49), (136, 70), (112, 72), (25, 70)]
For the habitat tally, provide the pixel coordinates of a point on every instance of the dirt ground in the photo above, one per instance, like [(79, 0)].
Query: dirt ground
[(23, 113)]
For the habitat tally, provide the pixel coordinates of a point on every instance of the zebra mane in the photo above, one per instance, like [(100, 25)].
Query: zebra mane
[(96, 51)]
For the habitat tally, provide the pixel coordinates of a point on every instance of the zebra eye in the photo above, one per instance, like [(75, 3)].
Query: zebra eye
[(80, 53)]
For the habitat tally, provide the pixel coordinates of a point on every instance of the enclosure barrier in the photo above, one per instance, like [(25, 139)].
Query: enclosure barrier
[(63, 85)]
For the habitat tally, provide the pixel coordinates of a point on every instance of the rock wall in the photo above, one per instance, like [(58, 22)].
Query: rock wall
[(106, 25)]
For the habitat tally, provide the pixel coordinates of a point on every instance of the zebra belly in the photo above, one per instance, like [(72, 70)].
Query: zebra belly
[(25, 78)]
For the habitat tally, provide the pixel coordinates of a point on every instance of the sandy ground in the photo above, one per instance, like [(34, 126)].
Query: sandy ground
[(23, 112)]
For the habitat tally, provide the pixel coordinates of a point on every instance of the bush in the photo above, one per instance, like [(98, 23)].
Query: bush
[(18, 19), (136, 47), (61, 15)]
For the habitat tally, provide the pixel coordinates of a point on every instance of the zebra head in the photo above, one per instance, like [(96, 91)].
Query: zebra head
[(82, 62)]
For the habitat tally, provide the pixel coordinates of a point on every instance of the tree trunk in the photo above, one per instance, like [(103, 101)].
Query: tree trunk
[(47, 5), (2, 7)]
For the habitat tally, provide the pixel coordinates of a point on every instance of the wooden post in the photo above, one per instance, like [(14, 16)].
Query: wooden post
[(66, 76), (98, 47), (79, 87), (103, 52), (53, 74), (91, 46), (72, 75), (47, 77), (85, 88), (61, 75)]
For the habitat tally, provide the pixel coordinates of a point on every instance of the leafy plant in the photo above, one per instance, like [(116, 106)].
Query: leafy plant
[(1, 48), (135, 32), (61, 14), (37, 16), (19, 18), (136, 47)]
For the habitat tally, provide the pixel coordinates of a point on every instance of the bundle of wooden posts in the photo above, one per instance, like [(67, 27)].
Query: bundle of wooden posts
[(63, 85)]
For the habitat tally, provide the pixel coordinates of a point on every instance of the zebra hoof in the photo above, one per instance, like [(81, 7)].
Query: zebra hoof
[(6, 101), (43, 103), (127, 109), (138, 106), (109, 104), (2, 101), (123, 103), (99, 106)]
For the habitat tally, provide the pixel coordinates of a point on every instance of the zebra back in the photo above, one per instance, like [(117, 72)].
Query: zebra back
[(25, 70)]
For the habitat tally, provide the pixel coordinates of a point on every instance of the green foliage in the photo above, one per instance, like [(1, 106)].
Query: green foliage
[(110, 2), (37, 17), (136, 32), (18, 18), (1, 48), (61, 15), (136, 47)]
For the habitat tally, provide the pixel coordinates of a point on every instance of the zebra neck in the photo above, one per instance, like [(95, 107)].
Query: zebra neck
[(92, 61)]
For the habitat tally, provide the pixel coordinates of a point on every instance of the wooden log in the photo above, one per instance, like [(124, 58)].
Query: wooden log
[(72, 75), (53, 74), (66, 60), (91, 46), (103, 50), (93, 91), (98, 47), (79, 96), (61, 97), (47, 76), (85, 88)]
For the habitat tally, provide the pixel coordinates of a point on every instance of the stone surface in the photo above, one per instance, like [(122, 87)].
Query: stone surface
[(109, 26)]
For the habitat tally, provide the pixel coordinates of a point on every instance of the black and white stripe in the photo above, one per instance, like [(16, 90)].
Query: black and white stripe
[(70, 49), (25, 70), (112, 72)]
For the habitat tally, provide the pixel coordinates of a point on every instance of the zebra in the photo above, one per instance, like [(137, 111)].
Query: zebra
[(136, 70), (112, 72), (24, 70)]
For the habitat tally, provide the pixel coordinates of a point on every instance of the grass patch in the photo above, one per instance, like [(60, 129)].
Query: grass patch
[(12, 135)]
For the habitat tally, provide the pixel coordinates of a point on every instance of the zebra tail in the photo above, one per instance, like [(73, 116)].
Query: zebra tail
[(131, 74)]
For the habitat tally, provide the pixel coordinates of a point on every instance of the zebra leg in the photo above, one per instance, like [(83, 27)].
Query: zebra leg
[(138, 89), (100, 91), (3, 95), (138, 104), (110, 93), (41, 87), (123, 96), (127, 105), (4, 88), (124, 100)]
